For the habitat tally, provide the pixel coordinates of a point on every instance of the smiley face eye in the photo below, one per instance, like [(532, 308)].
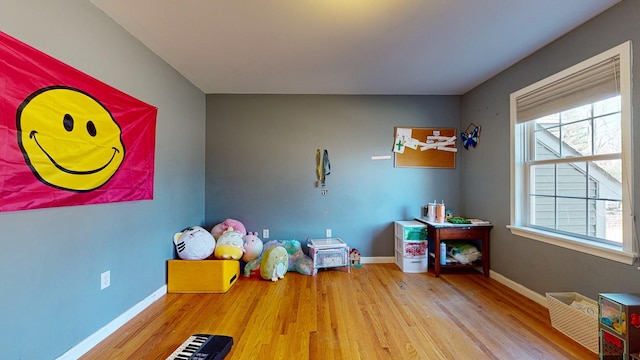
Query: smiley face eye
[(67, 122), (91, 128)]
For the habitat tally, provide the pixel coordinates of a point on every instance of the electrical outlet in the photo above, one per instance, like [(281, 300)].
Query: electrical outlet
[(265, 233), (327, 232), (105, 279)]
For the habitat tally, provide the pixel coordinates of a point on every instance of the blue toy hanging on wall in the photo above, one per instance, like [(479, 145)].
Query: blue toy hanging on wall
[(471, 136)]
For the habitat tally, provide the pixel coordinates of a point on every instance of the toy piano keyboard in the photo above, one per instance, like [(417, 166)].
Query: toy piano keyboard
[(203, 347)]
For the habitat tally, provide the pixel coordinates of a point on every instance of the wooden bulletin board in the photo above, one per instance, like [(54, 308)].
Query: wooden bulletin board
[(430, 158)]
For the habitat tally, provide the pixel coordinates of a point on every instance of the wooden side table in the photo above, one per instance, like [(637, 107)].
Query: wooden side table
[(457, 232)]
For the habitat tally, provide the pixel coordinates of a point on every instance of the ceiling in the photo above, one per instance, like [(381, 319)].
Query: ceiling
[(407, 47)]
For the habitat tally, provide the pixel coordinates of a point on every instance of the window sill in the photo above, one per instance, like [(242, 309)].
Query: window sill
[(601, 250)]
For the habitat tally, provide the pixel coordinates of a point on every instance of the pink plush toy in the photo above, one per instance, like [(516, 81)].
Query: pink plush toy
[(219, 229), (252, 247)]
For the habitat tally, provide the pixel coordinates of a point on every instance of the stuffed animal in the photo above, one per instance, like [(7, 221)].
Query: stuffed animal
[(252, 247), (219, 229), (448, 214), (229, 246), (298, 260), (194, 243), (274, 263)]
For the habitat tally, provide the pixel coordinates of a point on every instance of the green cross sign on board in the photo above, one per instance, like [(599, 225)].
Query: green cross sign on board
[(399, 144)]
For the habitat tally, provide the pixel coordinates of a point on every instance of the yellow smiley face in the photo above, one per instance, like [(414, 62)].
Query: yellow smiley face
[(69, 140)]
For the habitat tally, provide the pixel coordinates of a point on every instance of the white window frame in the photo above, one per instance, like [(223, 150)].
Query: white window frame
[(627, 253)]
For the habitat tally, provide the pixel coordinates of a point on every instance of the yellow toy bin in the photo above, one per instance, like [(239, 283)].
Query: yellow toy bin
[(201, 276)]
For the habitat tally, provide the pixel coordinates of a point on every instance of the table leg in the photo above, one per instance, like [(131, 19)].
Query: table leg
[(436, 252), (348, 259), (312, 252), (485, 254)]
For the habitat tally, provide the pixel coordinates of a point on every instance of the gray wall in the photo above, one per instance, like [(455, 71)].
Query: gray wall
[(51, 259), (485, 170), (261, 165)]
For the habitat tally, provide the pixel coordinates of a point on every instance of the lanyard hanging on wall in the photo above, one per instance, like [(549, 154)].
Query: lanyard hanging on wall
[(323, 168)]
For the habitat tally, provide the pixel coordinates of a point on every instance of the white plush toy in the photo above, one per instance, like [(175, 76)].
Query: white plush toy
[(230, 245), (194, 243)]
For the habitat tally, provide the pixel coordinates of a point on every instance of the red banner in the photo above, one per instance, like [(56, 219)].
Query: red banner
[(67, 138)]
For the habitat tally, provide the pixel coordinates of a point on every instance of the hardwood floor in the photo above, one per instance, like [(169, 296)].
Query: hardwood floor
[(376, 312)]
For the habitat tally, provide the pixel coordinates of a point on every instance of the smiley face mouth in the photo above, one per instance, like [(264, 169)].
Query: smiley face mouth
[(32, 135)]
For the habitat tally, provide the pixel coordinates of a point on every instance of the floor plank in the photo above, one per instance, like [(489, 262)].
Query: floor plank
[(375, 312)]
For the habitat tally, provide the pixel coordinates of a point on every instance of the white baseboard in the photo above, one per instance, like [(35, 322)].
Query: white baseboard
[(520, 289), (377, 260), (93, 340)]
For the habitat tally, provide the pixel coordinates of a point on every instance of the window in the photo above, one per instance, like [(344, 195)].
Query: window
[(571, 166)]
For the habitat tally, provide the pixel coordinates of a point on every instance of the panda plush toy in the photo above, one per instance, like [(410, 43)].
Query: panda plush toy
[(194, 243)]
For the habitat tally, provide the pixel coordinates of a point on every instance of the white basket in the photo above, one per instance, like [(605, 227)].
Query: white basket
[(574, 323)]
